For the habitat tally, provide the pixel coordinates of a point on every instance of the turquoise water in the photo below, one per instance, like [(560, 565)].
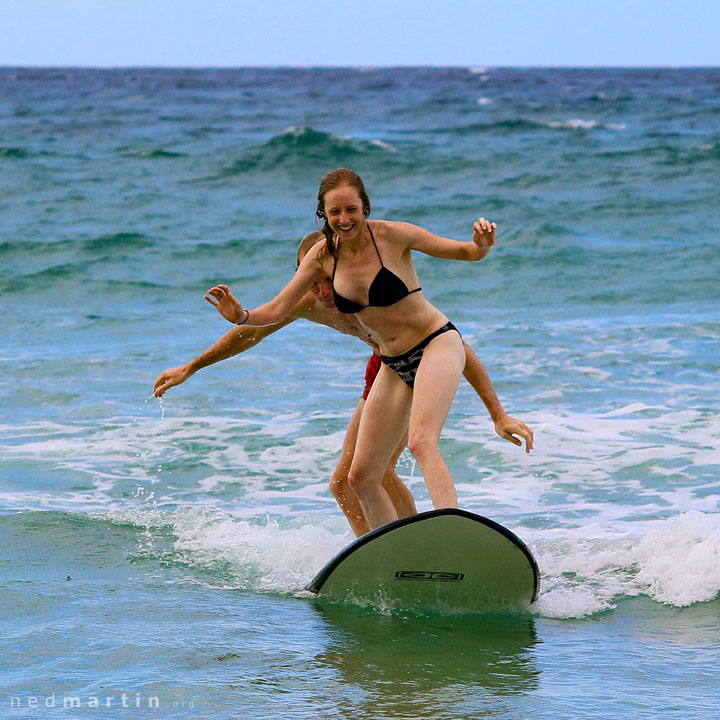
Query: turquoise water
[(158, 549)]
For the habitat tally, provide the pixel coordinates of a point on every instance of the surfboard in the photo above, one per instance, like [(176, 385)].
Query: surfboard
[(445, 561)]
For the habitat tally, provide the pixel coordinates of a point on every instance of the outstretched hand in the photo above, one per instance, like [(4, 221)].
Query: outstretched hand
[(226, 303), (484, 235), (169, 378), (508, 427)]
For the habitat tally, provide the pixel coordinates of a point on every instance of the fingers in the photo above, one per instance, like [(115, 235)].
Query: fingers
[(486, 225), (527, 436), (512, 439), (163, 384), (484, 233), (169, 378), (219, 292), (525, 432), (518, 442), (512, 428), (529, 441)]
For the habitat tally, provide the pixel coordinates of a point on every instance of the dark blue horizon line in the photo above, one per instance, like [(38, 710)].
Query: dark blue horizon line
[(359, 67)]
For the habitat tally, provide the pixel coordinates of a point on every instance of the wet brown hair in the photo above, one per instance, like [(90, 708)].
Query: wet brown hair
[(306, 243), (341, 177)]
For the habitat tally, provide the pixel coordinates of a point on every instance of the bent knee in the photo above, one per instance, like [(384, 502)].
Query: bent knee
[(339, 484), (361, 481), (356, 479), (421, 445)]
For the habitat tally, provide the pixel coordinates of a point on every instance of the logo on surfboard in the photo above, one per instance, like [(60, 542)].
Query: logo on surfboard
[(427, 575)]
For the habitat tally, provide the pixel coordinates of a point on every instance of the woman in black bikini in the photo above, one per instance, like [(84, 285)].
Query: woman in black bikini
[(422, 352)]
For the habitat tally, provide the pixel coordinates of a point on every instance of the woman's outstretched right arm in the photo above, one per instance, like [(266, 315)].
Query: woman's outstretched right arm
[(280, 306)]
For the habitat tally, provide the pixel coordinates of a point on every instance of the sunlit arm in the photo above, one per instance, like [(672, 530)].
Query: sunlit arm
[(476, 374), (506, 426), (233, 342), (424, 241)]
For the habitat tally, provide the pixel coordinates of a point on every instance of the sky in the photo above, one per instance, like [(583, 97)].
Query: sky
[(365, 33)]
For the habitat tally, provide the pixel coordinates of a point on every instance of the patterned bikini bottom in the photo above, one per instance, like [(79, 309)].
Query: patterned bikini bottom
[(406, 365)]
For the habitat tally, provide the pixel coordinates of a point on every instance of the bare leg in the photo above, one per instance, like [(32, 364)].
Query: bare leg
[(339, 485), (400, 496), (382, 427), (436, 383)]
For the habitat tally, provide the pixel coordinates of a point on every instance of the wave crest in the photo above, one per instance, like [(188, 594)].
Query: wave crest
[(524, 125), (676, 562), (300, 147)]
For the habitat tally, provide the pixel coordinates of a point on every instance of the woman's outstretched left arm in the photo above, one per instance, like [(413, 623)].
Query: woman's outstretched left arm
[(424, 241)]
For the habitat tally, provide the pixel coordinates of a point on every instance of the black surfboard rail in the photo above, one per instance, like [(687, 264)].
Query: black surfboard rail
[(315, 585)]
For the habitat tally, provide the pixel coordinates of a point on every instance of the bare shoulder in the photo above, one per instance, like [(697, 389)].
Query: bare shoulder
[(318, 258), (395, 232)]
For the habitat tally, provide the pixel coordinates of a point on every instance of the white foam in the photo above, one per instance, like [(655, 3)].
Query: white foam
[(630, 409), (122, 453), (680, 559), (675, 562), (580, 124), (607, 472), (384, 145), (614, 504), (257, 554), (610, 469)]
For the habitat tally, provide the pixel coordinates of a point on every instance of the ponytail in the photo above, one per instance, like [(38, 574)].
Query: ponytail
[(331, 244)]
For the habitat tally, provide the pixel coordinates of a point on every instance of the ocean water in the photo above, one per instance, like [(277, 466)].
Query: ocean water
[(154, 552)]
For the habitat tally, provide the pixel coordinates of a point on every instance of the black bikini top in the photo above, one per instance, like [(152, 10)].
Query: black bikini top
[(385, 289)]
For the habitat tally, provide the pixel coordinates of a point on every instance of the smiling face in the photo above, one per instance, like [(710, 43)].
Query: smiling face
[(345, 212)]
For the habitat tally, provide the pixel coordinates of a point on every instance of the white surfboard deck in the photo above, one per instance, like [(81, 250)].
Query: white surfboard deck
[(444, 561)]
